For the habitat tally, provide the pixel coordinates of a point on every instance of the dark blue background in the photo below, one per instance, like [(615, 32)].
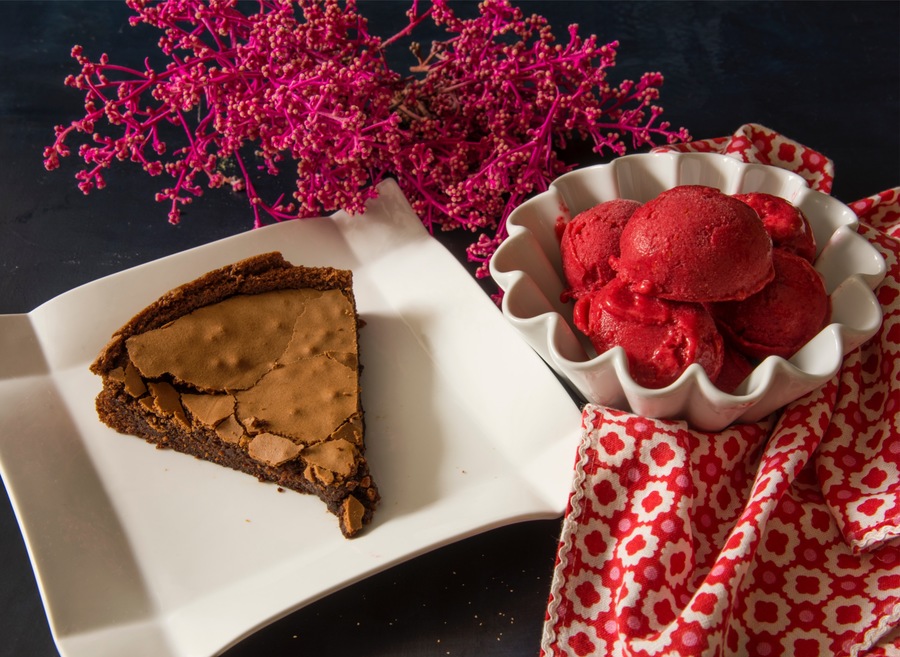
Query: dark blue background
[(824, 73)]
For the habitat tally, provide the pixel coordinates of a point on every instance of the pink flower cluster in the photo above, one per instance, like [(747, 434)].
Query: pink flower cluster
[(476, 128)]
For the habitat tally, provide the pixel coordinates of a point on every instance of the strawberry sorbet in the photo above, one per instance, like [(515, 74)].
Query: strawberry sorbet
[(660, 337), (692, 276), (589, 240), (782, 317), (786, 224), (694, 243)]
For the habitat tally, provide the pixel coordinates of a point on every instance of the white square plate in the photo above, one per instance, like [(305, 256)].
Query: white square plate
[(151, 553)]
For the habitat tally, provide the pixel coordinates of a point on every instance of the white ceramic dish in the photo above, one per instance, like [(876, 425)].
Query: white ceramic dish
[(527, 267), (150, 553)]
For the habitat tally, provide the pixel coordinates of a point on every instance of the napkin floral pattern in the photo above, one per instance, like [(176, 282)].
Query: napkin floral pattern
[(773, 538)]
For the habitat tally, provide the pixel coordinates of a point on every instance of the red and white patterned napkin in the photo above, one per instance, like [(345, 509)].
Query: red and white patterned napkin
[(774, 538)]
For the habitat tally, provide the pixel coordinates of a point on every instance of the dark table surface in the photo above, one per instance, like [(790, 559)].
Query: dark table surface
[(826, 74)]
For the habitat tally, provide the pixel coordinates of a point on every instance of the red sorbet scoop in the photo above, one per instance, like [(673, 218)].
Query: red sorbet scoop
[(786, 224), (588, 241), (694, 243), (782, 317), (661, 338)]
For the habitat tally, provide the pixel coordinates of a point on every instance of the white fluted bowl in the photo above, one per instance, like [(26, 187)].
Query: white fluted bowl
[(528, 268)]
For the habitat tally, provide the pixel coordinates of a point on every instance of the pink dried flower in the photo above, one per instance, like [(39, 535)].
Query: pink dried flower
[(477, 129)]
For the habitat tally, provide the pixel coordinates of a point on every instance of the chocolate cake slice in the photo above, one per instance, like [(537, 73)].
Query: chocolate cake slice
[(255, 367)]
